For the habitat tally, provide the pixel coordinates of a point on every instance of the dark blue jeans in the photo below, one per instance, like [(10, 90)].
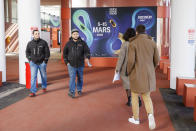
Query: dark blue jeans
[(73, 72)]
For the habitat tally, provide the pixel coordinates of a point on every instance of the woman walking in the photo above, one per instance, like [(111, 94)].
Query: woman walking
[(122, 62)]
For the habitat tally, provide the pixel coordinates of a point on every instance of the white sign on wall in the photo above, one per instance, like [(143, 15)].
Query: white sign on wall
[(191, 36)]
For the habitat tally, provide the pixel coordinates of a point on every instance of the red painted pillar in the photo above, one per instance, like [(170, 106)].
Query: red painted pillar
[(168, 27), (163, 40), (54, 38), (163, 12), (28, 76), (65, 17)]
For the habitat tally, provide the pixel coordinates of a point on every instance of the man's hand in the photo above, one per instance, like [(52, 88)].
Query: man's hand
[(86, 60)]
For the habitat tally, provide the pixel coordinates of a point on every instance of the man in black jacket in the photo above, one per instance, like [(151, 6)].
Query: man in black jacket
[(75, 53), (38, 53)]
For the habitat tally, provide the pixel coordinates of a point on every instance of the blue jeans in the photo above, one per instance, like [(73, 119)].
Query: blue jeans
[(34, 70), (72, 74)]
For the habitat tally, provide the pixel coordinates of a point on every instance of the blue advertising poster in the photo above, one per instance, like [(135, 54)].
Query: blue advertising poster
[(102, 28), (54, 21)]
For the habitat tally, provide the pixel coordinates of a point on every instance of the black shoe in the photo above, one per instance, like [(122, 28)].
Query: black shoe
[(140, 102), (71, 94), (79, 93), (129, 101)]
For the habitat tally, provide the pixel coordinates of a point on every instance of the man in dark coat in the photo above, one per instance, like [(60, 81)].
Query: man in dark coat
[(75, 53), (38, 53)]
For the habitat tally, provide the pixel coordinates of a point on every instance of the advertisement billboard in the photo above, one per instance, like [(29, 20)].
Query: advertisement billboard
[(103, 28)]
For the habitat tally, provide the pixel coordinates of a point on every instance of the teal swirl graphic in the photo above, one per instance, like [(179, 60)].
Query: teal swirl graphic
[(55, 21), (84, 27)]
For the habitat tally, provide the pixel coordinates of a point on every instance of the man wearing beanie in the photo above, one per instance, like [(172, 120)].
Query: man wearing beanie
[(75, 53)]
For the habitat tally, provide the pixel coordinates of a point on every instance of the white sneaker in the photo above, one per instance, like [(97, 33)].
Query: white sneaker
[(132, 120), (151, 122)]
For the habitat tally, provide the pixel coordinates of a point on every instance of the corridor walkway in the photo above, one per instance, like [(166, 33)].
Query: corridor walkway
[(100, 108)]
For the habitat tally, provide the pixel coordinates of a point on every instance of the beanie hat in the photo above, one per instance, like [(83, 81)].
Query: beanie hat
[(74, 30)]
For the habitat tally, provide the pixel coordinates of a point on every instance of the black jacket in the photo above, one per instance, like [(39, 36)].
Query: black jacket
[(75, 52), (38, 51)]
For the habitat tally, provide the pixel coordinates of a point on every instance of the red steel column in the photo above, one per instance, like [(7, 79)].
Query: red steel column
[(163, 12), (65, 17)]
